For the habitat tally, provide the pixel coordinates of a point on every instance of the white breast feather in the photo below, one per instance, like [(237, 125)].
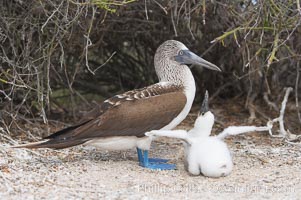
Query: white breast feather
[(190, 94)]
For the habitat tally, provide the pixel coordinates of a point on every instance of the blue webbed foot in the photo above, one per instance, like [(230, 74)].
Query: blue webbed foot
[(157, 160), (160, 166), (153, 163)]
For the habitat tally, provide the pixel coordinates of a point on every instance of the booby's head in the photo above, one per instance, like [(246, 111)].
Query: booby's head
[(173, 54), (205, 120)]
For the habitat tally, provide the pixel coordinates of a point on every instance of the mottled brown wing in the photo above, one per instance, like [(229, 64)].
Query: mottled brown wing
[(130, 114), (135, 117)]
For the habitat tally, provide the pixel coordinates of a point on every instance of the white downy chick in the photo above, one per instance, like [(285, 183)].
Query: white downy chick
[(206, 154)]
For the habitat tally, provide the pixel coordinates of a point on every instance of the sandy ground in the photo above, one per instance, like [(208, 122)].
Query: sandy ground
[(264, 167)]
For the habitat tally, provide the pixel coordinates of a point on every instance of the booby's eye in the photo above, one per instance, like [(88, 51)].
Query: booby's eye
[(202, 113), (181, 53)]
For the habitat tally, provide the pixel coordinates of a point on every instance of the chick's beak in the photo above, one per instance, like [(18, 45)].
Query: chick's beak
[(205, 104)]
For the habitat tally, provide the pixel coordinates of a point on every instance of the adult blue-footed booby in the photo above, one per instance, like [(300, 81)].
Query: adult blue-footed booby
[(121, 121)]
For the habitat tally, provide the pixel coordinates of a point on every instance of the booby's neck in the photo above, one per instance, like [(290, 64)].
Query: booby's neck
[(178, 75), (203, 125)]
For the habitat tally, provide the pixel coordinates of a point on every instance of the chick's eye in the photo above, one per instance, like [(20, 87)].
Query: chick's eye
[(202, 113), (181, 53)]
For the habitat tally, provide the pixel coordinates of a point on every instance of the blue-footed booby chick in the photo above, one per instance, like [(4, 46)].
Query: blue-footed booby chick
[(205, 154), (121, 121)]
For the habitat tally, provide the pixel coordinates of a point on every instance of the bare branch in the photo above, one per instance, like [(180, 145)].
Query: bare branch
[(105, 62), (296, 91)]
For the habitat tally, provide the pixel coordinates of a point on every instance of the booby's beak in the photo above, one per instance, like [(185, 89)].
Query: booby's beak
[(205, 104), (187, 57)]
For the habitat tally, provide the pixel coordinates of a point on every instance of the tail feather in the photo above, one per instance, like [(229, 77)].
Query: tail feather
[(30, 145), (53, 144), (65, 131), (58, 140)]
